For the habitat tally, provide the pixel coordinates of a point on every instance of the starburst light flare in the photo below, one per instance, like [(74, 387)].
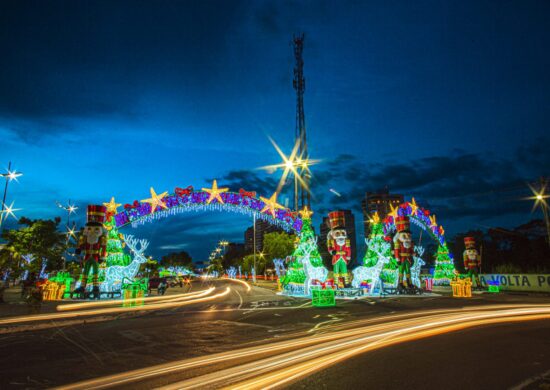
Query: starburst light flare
[(9, 210)]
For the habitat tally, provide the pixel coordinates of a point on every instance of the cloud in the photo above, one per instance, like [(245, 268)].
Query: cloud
[(174, 247)]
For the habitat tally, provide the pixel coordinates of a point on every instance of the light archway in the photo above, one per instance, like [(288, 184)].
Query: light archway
[(208, 199), (424, 219)]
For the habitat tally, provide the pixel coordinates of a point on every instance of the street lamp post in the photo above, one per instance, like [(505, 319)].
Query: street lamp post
[(254, 245)]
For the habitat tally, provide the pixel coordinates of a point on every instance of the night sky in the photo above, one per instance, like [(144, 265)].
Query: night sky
[(445, 101)]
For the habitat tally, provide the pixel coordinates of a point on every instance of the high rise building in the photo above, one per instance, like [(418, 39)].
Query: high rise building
[(380, 202), (352, 236), (262, 228)]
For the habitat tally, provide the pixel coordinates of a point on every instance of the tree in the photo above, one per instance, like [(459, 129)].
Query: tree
[(248, 264), (233, 255), (177, 259), (278, 245), (38, 238)]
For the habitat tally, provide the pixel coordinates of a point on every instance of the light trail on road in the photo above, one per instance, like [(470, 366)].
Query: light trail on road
[(248, 288), (114, 302), (294, 359), (200, 297)]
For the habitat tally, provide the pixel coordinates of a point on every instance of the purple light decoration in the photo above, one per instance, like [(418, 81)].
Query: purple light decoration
[(196, 201), (422, 215)]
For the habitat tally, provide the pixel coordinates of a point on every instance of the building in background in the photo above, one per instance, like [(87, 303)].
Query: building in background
[(352, 236), (262, 228), (380, 202)]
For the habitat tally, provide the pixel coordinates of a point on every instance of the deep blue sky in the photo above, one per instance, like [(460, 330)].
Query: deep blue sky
[(445, 101)]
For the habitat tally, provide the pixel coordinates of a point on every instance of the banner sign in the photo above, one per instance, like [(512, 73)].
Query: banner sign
[(518, 282)]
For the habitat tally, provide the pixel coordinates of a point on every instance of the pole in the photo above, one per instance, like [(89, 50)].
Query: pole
[(544, 206), (5, 193), (254, 273), (295, 192)]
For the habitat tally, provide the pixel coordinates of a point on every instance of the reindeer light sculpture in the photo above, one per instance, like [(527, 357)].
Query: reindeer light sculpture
[(115, 274)]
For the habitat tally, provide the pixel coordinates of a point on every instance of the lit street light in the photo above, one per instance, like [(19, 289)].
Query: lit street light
[(292, 164), (8, 210), (540, 196)]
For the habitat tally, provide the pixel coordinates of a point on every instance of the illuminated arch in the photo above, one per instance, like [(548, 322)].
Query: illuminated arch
[(187, 200), (424, 219)]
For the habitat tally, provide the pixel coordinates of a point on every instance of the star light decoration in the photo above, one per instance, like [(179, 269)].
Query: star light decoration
[(271, 204), (215, 192), (375, 218), (112, 205), (414, 206), (306, 213), (156, 200), (393, 212), (433, 222)]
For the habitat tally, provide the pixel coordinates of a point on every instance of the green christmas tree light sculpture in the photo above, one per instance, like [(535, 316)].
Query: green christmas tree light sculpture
[(376, 241), (306, 253), (444, 267)]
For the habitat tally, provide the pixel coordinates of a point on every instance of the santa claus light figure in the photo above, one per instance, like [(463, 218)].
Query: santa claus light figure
[(472, 260), (93, 247), (403, 251), (339, 246)]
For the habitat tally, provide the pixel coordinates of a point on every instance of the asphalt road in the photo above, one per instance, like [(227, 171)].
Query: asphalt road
[(43, 354), (492, 357)]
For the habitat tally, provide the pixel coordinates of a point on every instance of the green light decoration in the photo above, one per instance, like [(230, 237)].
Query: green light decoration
[(296, 273), (115, 245), (134, 291), (444, 268), (64, 278), (388, 274), (323, 298)]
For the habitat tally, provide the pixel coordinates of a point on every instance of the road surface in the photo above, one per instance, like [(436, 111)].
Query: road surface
[(172, 345)]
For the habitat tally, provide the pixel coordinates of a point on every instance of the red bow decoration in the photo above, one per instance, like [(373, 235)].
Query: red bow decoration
[(184, 191), (250, 194), (132, 206)]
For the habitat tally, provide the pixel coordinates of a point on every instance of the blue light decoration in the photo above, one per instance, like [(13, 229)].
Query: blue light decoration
[(186, 200), (494, 286), (424, 219)]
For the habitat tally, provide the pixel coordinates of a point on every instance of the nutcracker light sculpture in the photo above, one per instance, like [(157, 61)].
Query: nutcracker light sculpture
[(403, 251), (92, 244), (338, 246), (472, 260)]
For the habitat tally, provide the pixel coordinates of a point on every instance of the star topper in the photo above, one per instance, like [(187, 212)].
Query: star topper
[(375, 217), (306, 213), (112, 206), (215, 192), (271, 204), (156, 200)]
